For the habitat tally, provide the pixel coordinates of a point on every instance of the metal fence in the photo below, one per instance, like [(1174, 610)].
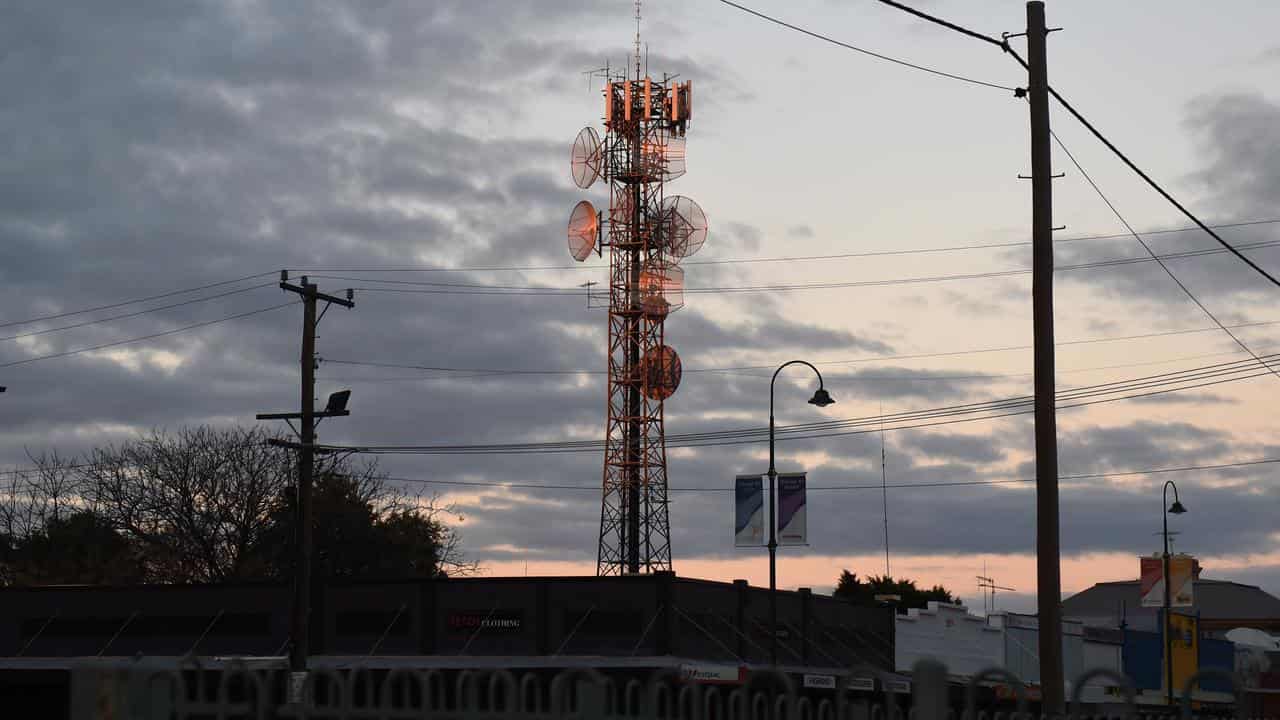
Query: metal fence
[(235, 690)]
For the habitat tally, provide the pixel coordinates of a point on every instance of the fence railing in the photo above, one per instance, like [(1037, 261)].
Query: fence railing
[(234, 690)]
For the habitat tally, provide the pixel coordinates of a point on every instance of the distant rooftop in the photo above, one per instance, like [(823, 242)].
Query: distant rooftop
[(1216, 601)]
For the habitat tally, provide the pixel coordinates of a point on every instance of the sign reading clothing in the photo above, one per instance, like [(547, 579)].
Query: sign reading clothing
[(488, 621), (748, 523), (792, 528)]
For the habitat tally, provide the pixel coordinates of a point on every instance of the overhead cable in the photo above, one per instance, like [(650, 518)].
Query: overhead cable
[(1077, 397), (1004, 45), (864, 51), (1163, 266), (170, 306), (829, 488), (775, 259), (478, 372), (135, 301), (152, 336), (433, 287)]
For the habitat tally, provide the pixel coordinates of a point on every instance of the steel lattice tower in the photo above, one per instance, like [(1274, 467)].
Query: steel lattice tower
[(648, 234)]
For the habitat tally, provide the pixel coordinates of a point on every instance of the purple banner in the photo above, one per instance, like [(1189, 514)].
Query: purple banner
[(792, 526)]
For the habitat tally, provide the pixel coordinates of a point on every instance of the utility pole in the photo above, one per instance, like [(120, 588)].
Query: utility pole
[(299, 646), (1048, 570)]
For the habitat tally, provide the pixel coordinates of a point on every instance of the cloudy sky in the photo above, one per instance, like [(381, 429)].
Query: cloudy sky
[(150, 147)]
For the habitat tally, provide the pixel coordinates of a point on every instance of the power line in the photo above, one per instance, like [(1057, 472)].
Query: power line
[(170, 306), (433, 287), (855, 48), (1078, 397), (1004, 45), (776, 259), (152, 336), (135, 301), (1186, 290), (450, 374), (944, 23), (840, 488), (1132, 166), (869, 359)]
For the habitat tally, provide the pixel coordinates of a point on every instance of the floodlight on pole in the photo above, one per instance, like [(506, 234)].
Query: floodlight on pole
[(337, 402)]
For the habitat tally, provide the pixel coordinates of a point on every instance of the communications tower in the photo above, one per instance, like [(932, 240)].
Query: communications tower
[(647, 233)]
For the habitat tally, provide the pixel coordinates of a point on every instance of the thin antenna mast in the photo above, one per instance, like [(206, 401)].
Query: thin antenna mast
[(884, 492), (637, 40)]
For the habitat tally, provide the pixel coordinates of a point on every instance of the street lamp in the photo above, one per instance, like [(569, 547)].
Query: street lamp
[(821, 398), (1177, 508)]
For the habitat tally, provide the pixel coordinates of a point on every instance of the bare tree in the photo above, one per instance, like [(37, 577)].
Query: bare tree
[(450, 557), (209, 505), (54, 486), (195, 500), (32, 497)]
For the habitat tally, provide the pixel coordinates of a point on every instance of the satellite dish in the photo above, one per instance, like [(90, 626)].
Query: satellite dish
[(660, 372), (584, 228), (585, 160), (661, 288), (684, 226)]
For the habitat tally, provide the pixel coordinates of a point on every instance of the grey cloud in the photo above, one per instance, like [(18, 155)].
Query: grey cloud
[(1241, 149), (800, 231), (1186, 399), (765, 330), (965, 448), (741, 236), (1139, 444), (1242, 137)]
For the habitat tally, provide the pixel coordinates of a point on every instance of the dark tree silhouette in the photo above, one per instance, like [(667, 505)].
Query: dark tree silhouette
[(862, 592), (362, 528), (209, 505), (79, 548)]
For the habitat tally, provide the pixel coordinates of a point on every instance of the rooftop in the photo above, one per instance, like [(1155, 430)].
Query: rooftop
[(1214, 600)]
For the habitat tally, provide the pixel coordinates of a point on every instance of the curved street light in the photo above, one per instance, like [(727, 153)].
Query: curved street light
[(1177, 508), (821, 398)]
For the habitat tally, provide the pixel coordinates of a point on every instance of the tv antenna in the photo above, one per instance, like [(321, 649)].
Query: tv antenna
[(986, 584)]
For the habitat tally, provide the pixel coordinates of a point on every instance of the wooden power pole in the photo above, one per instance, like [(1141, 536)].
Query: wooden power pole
[(1048, 552), (299, 618)]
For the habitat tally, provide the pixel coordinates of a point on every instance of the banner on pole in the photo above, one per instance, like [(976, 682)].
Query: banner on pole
[(748, 526), (1181, 572), (792, 526)]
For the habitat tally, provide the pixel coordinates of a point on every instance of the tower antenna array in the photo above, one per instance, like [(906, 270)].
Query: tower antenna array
[(647, 233)]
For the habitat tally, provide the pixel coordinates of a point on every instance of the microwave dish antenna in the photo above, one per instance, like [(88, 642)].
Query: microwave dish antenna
[(660, 368), (661, 288), (584, 230), (585, 160), (684, 226)]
